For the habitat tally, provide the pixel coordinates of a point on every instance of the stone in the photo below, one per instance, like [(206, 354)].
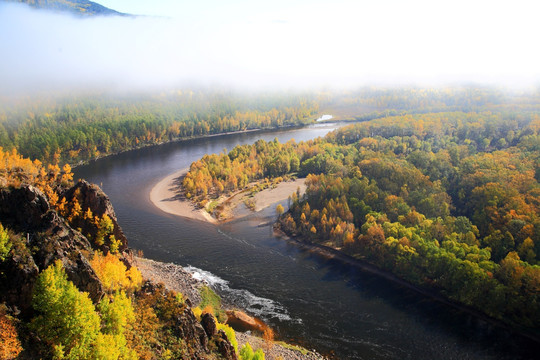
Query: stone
[(241, 321), (225, 348), (22, 209), (208, 322)]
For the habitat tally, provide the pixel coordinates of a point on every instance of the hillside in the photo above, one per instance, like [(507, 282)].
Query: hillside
[(77, 7), (68, 285)]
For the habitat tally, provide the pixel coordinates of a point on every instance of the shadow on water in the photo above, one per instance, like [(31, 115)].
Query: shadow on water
[(430, 313)]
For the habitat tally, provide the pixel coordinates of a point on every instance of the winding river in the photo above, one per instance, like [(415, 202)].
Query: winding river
[(308, 299)]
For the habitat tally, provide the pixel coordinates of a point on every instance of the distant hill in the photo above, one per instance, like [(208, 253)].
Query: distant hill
[(77, 7)]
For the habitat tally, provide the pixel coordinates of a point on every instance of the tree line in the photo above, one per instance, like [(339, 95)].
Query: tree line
[(76, 129)]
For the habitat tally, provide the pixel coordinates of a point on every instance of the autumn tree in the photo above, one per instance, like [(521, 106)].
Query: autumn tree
[(5, 243), (279, 209), (114, 274), (66, 320), (10, 346)]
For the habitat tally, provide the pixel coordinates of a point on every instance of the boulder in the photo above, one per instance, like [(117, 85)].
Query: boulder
[(208, 322), (241, 321), (22, 208), (225, 348)]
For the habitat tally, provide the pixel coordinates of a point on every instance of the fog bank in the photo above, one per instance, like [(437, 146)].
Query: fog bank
[(342, 43)]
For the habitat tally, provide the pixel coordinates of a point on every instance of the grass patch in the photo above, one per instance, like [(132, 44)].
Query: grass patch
[(211, 206), (211, 300), (300, 349)]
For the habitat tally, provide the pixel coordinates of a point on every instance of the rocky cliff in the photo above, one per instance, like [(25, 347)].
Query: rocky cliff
[(90, 196), (46, 237), (41, 236)]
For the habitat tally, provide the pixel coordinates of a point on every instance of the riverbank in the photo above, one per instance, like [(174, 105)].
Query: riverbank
[(176, 278), (189, 138), (331, 253), (167, 196)]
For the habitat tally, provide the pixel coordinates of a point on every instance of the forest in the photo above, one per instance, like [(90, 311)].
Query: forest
[(71, 129), (448, 201), (78, 127)]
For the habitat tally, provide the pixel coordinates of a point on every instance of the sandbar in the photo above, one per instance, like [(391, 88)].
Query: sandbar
[(167, 196), (281, 192)]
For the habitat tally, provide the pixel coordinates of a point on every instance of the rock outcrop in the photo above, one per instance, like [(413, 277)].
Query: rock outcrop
[(60, 242), (90, 196), (224, 346), (199, 342), (40, 236), (45, 238), (193, 332), (22, 208)]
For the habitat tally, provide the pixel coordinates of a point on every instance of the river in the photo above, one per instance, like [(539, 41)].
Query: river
[(309, 300)]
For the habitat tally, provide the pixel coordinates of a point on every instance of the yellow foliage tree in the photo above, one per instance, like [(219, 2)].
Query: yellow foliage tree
[(10, 346), (113, 273)]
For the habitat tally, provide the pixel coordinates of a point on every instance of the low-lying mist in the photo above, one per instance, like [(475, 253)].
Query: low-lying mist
[(325, 45)]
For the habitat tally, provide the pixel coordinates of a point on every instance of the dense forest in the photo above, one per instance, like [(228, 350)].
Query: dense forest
[(72, 129), (447, 200)]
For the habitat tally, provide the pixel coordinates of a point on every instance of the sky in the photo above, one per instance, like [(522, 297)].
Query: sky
[(277, 44)]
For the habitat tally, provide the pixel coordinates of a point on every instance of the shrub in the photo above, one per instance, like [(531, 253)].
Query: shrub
[(231, 335), (113, 273), (5, 243), (210, 298), (10, 346), (247, 353)]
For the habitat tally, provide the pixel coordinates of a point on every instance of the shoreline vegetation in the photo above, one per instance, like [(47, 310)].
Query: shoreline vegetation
[(176, 278), (197, 137), (167, 195), (345, 259)]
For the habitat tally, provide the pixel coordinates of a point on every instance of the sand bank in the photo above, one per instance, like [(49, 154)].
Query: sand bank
[(281, 192), (166, 196)]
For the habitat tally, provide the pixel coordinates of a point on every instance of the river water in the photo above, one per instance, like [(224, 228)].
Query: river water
[(307, 299)]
